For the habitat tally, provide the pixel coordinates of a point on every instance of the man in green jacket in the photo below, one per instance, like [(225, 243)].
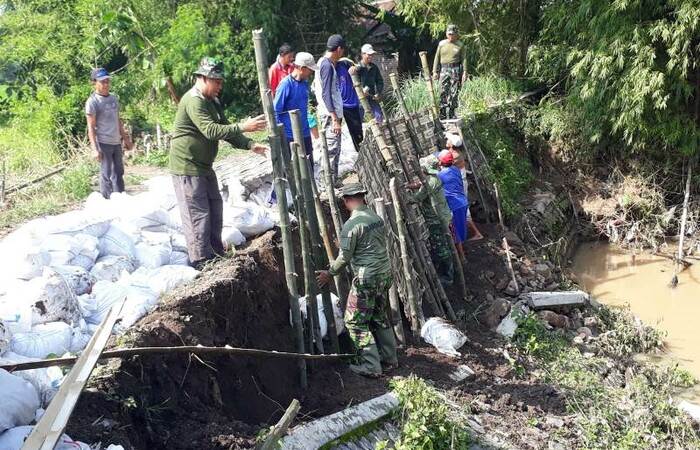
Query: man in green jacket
[(363, 245), (431, 199), (199, 126), (449, 67), (372, 81)]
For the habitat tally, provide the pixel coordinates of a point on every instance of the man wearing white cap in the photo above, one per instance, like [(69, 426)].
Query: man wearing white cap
[(293, 93), (372, 81)]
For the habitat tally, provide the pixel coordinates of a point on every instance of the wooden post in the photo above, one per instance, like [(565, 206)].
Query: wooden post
[(279, 183), (310, 288), (417, 318), (684, 219), (498, 206), (429, 82), (395, 306), (320, 261), (506, 247)]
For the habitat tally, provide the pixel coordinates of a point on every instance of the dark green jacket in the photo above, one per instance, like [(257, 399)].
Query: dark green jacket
[(371, 77), (431, 198), (199, 126)]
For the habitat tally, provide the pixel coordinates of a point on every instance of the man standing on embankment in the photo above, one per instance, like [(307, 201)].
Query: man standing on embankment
[(106, 133), (449, 66), (199, 125)]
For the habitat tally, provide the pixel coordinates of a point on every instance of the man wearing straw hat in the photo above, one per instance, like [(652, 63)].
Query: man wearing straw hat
[(199, 125), (363, 245)]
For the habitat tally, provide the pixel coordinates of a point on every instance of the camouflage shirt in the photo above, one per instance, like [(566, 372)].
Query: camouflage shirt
[(363, 245), (431, 198)]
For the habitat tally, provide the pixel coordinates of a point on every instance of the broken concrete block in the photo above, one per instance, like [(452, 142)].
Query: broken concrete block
[(507, 327), (545, 300), (461, 373), (691, 409)]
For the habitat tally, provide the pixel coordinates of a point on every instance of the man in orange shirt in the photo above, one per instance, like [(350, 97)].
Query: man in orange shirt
[(282, 67)]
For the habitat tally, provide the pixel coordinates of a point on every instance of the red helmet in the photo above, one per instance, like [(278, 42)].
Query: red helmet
[(446, 157)]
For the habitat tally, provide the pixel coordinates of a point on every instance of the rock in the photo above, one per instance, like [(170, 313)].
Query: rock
[(691, 409), (556, 446), (590, 322), (552, 286), (525, 270), (497, 310), (554, 319), (513, 239), (543, 270), (585, 332), (578, 340), (489, 274), (502, 284), (544, 300), (490, 298), (512, 289), (507, 326), (553, 421), (462, 372)]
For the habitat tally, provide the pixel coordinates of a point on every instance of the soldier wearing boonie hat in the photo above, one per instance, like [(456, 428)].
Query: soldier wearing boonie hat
[(363, 246), (449, 67), (200, 123)]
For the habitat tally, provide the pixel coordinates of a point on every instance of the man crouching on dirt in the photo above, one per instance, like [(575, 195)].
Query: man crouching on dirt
[(199, 125), (363, 245)]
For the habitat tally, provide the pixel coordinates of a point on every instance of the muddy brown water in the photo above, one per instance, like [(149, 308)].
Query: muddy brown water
[(615, 277)]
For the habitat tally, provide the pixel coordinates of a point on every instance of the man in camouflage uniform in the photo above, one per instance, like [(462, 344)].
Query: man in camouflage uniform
[(449, 67), (363, 245), (431, 198)]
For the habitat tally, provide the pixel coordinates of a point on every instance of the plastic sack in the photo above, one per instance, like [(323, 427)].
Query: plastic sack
[(74, 222), (78, 279), (19, 400), (139, 302), (153, 255), (442, 335), (5, 337), (111, 268), (118, 241), (178, 258), (43, 340), (14, 438), (249, 218), (166, 278), (105, 294), (87, 251), (232, 237), (80, 337), (323, 323), (22, 262), (45, 380), (16, 312), (51, 299)]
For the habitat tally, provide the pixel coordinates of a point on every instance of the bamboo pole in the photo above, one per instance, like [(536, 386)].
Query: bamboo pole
[(413, 129), (2, 182), (684, 219), (429, 82), (276, 433), (376, 131), (279, 182), (417, 318), (458, 123), (498, 207), (328, 184), (506, 247), (395, 306), (310, 288), (320, 259)]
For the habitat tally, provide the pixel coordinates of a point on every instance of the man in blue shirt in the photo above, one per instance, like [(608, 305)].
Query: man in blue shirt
[(293, 93), (453, 185), (352, 114)]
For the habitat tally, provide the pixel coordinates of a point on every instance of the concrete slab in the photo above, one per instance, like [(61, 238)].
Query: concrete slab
[(547, 300)]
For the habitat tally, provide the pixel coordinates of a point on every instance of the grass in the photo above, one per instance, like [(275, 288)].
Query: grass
[(618, 404)]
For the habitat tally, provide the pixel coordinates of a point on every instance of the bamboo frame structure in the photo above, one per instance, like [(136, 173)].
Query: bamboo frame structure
[(435, 108)]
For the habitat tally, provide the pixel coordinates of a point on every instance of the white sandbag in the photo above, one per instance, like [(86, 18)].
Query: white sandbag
[(119, 240), (152, 256), (46, 339), (178, 258), (5, 337), (232, 237), (61, 247), (111, 268), (166, 278), (79, 339), (88, 250), (105, 294), (442, 335), (45, 380), (178, 242), (78, 279), (263, 195), (87, 305), (14, 438), (22, 262), (74, 222), (51, 299), (323, 323), (19, 400), (16, 312), (162, 188), (139, 302), (249, 218)]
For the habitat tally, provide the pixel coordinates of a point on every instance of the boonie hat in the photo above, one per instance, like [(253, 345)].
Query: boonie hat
[(367, 48), (351, 189), (446, 157), (99, 74), (211, 68), (451, 29), (304, 59), (334, 41), (454, 139)]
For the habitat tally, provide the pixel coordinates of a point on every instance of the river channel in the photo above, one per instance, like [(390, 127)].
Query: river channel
[(614, 277)]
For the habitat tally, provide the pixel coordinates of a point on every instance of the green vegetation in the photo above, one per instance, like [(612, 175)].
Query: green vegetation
[(615, 408), (425, 419)]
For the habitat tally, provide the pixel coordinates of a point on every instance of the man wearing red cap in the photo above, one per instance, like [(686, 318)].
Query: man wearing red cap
[(453, 185)]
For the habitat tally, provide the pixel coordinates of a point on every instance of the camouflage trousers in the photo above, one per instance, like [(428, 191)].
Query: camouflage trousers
[(368, 325), (450, 84), (441, 254)]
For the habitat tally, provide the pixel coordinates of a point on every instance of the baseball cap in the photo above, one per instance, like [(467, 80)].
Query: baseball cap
[(454, 139), (210, 68), (352, 189), (304, 59), (446, 157), (334, 41), (99, 74), (367, 48), (451, 29)]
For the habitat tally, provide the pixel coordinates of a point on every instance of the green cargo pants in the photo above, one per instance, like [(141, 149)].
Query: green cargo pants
[(368, 325), (450, 84), (441, 254)]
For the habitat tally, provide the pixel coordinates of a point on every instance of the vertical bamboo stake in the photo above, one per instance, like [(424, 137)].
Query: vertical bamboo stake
[(2, 183), (310, 288), (328, 184), (376, 131), (684, 219), (413, 129), (281, 192), (458, 123), (159, 136), (319, 258), (395, 306), (429, 82), (506, 247), (498, 206), (417, 318)]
